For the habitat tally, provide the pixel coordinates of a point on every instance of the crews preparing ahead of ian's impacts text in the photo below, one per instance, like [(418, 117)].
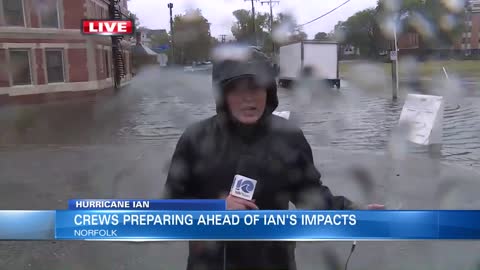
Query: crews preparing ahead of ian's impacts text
[(214, 220)]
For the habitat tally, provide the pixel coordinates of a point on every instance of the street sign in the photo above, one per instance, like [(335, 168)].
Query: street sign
[(393, 56), (163, 47)]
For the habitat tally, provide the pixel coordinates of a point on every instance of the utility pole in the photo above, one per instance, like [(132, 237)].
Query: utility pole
[(223, 38), (395, 79), (254, 32), (271, 3), (170, 6)]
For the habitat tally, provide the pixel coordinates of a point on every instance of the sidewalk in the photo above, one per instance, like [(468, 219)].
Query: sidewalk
[(31, 181)]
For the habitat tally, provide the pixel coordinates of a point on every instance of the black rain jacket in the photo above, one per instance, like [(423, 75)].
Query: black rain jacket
[(275, 153)]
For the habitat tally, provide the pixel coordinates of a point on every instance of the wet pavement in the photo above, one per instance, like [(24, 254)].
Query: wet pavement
[(119, 147)]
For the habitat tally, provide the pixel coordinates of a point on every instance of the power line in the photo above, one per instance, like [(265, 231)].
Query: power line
[(254, 32), (223, 38), (271, 3), (318, 18)]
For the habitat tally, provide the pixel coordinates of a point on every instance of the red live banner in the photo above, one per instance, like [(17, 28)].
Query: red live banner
[(107, 27)]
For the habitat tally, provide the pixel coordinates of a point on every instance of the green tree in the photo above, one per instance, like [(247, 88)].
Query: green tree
[(361, 31), (322, 36), (298, 35), (286, 27), (192, 39), (286, 23), (161, 39), (416, 15), (134, 18), (215, 41), (436, 13), (242, 29)]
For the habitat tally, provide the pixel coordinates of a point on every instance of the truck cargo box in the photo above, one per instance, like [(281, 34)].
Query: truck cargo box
[(316, 59)]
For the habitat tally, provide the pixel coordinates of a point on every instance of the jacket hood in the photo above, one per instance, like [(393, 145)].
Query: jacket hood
[(256, 65), (271, 106)]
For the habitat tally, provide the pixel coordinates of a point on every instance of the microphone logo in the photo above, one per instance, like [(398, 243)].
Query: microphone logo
[(243, 187)]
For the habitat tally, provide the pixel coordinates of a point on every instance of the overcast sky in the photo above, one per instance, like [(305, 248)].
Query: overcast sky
[(154, 14)]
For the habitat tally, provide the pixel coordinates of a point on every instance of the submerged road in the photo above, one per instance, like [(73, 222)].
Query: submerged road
[(119, 147)]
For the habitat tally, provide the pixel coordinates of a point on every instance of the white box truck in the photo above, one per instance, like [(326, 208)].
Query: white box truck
[(317, 59)]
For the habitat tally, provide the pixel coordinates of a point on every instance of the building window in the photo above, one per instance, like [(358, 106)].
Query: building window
[(49, 14), (107, 66), (13, 12), (55, 66), (20, 67)]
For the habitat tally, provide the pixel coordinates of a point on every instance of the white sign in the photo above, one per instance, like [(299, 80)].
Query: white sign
[(393, 55), (285, 114), (424, 116), (243, 187)]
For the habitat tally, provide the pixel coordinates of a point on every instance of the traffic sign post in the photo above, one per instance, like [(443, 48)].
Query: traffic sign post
[(393, 56)]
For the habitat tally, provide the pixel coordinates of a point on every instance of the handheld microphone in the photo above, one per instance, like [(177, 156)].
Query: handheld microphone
[(243, 187), (244, 184)]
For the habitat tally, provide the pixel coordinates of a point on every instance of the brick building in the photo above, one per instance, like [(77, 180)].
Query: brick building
[(43, 53), (471, 37)]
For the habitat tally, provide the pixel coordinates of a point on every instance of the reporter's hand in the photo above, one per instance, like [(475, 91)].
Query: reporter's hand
[(234, 203)]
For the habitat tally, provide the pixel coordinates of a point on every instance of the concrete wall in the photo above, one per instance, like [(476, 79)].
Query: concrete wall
[(56, 87)]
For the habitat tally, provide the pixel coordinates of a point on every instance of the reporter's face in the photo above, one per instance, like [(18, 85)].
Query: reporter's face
[(246, 101)]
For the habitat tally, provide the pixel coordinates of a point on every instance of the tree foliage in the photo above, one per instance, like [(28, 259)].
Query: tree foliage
[(361, 31), (192, 38), (322, 36), (436, 25), (242, 29), (134, 18), (287, 25), (161, 39)]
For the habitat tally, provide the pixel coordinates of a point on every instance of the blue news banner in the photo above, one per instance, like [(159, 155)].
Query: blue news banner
[(180, 220)]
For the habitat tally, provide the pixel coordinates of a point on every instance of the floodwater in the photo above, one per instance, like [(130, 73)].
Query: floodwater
[(118, 146), (158, 105)]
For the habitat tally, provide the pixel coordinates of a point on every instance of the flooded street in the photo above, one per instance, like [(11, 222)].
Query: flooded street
[(119, 146), (95, 95), (158, 105)]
